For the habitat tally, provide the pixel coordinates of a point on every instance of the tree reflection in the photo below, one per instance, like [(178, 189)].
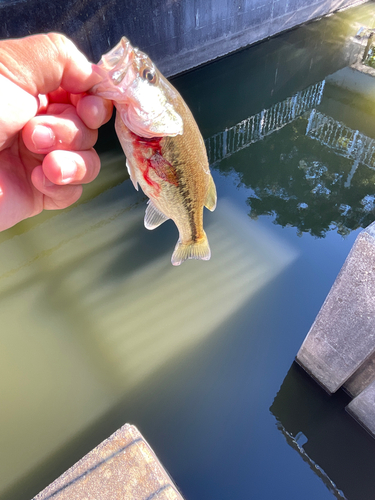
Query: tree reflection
[(302, 183)]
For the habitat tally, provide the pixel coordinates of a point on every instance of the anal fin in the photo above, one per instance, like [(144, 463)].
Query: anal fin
[(153, 216)]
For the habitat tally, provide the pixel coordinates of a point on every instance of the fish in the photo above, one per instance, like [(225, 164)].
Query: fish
[(165, 152)]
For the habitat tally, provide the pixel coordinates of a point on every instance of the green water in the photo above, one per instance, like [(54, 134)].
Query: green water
[(99, 329)]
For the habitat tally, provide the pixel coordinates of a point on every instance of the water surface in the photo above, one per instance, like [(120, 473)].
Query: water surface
[(98, 328)]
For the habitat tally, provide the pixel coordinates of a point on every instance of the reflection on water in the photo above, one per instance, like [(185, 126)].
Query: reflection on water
[(299, 182), (297, 442), (258, 126), (342, 140), (369, 55), (98, 328), (317, 426)]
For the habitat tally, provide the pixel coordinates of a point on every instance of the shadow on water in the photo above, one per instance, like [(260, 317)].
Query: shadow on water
[(199, 389), (317, 426), (144, 248), (314, 424), (131, 333)]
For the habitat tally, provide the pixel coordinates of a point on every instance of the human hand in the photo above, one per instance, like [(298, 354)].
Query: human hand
[(48, 125)]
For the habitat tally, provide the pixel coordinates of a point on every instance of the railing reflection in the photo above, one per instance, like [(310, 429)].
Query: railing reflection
[(304, 185), (342, 140), (254, 128)]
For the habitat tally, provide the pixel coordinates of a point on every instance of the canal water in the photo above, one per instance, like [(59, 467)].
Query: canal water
[(98, 328)]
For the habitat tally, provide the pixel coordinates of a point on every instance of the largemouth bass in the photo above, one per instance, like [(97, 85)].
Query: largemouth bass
[(165, 152)]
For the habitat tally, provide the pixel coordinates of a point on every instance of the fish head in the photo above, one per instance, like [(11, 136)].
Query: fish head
[(142, 96)]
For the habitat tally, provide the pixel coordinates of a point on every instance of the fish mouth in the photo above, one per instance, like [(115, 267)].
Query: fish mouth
[(114, 66), (117, 55)]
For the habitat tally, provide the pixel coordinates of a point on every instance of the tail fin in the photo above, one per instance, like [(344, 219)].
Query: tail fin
[(193, 250)]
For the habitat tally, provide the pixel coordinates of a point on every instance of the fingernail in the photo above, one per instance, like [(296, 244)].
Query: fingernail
[(68, 171), (43, 137)]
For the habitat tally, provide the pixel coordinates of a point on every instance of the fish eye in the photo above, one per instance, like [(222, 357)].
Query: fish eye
[(149, 74)]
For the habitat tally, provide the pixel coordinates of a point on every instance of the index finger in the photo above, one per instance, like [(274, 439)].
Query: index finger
[(40, 64), (16, 109)]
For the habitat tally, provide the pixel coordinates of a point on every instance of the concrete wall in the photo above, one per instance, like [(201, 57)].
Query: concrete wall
[(177, 34)]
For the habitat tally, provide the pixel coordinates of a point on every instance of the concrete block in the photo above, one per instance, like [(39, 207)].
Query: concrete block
[(362, 408), (361, 378), (342, 337), (121, 467)]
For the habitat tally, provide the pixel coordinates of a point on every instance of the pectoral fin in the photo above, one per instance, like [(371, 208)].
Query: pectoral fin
[(211, 197), (153, 216), (132, 175)]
